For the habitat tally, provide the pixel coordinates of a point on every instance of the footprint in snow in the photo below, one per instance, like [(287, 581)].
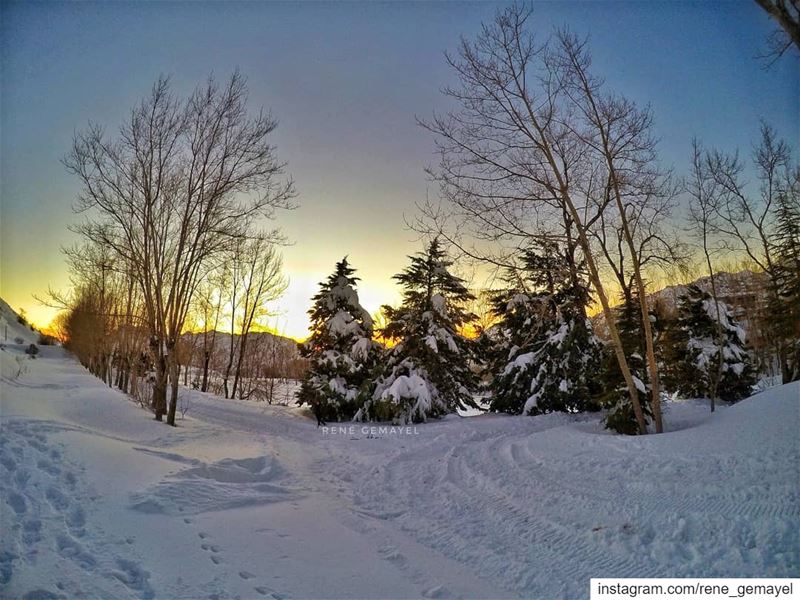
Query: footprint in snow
[(48, 467), (71, 549), (76, 521), (32, 532), (40, 594), (134, 577), (437, 591), (9, 463), (392, 554), (56, 499), (22, 477), (17, 502)]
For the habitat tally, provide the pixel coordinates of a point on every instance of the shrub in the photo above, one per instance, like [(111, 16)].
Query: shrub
[(46, 340)]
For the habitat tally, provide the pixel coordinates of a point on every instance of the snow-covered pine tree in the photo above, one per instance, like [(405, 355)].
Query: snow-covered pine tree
[(340, 351), (784, 313), (427, 373), (621, 417), (693, 354), (545, 356)]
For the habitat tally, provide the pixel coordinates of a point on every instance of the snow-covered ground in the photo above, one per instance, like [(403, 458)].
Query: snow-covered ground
[(250, 501)]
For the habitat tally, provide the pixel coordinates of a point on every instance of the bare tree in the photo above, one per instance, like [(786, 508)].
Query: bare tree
[(527, 157), (660, 249), (236, 267), (786, 14), (746, 221), (262, 283), (619, 132), (170, 192), (210, 297)]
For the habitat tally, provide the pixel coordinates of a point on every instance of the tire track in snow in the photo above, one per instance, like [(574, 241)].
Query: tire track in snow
[(520, 513)]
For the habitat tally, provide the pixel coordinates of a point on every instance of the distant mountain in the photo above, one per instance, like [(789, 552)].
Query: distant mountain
[(743, 292), (740, 291), (259, 338), (265, 351)]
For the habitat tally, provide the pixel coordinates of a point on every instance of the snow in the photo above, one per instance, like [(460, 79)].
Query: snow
[(247, 500), (430, 342), (531, 403), (361, 348), (517, 300), (11, 329), (344, 293), (521, 362), (339, 386), (558, 337), (439, 304), (343, 324), (410, 387)]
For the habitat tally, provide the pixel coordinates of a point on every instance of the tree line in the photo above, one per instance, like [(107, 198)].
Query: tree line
[(539, 154), (173, 203), (540, 354)]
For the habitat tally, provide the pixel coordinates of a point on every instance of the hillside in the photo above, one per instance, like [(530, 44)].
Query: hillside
[(743, 292), (11, 329), (267, 355)]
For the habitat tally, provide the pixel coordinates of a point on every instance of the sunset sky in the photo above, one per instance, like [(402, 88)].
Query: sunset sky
[(345, 81)]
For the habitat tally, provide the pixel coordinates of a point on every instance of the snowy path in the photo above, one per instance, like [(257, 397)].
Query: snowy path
[(247, 501)]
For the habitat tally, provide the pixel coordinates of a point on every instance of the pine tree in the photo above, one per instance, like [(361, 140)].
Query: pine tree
[(545, 356), (784, 313), (693, 354), (340, 350), (427, 373), (621, 417)]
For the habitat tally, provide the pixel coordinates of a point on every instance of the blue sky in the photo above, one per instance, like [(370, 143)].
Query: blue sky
[(345, 81)]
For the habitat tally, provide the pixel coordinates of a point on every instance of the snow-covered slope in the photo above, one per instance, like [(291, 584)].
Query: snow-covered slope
[(242, 500), (11, 329)]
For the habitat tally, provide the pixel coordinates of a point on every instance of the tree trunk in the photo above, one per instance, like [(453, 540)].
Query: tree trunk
[(616, 341), (159, 397), (238, 372), (160, 388), (126, 375), (206, 361), (118, 380), (718, 330), (228, 368), (173, 400)]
